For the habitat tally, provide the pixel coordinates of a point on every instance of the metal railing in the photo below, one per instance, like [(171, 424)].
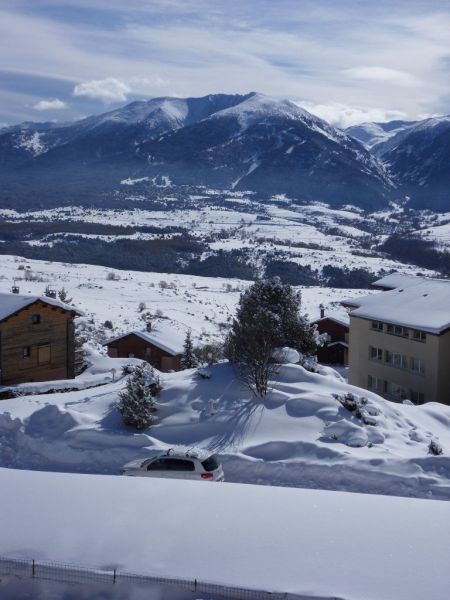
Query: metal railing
[(69, 573)]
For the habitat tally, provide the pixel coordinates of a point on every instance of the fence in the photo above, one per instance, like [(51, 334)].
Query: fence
[(66, 573)]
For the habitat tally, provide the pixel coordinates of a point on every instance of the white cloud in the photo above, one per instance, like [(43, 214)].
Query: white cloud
[(382, 74), (54, 104), (342, 115), (108, 90)]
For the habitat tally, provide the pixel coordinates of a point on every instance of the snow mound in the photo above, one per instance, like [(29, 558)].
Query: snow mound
[(311, 430)]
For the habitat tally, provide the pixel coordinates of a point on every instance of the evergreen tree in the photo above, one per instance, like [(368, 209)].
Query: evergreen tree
[(137, 405), (188, 359), (64, 296), (268, 317)]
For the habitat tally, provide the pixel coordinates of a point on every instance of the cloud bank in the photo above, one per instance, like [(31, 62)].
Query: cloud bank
[(54, 104)]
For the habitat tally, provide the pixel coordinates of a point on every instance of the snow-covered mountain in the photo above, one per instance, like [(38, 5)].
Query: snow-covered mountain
[(419, 160), (245, 142), (374, 134), (231, 142)]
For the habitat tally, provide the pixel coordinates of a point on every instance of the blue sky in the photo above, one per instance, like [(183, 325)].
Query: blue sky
[(346, 60)]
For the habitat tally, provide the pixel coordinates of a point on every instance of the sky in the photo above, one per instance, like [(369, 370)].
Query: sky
[(348, 61)]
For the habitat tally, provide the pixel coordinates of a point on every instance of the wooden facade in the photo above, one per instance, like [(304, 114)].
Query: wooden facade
[(37, 344), (335, 350), (134, 346)]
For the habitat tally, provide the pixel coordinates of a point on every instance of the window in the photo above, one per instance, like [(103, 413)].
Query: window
[(417, 397), (377, 325), (171, 464), (375, 353), (148, 351), (419, 336), (397, 330), (375, 384), (130, 354), (417, 365), (397, 392), (44, 354), (394, 359), (210, 463), (26, 352), (35, 319)]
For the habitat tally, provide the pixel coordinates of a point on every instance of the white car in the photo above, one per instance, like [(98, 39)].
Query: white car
[(178, 465)]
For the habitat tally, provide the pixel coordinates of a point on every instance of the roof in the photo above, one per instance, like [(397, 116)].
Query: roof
[(395, 280), (165, 338), (341, 319), (338, 343), (421, 304), (10, 304)]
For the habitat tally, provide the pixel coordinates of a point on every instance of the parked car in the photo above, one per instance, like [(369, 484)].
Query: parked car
[(178, 465)]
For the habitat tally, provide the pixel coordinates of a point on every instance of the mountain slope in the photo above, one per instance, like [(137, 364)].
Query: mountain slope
[(371, 135), (420, 163), (235, 142)]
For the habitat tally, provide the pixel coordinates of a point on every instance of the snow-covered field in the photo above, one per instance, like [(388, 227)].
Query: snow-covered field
[(313, 544), (203, 304), (339, 237), (299, 436)]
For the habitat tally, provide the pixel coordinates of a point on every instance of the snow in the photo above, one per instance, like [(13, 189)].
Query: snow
[(299, 436), (310, 543), (423, 304), (162, 336), (11, 303)]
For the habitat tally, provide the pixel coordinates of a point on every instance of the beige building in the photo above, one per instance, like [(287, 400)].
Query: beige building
[(400, 340)]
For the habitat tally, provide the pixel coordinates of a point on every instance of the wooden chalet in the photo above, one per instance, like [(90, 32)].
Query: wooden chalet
[(162, 348), (335, 349), (36, 339)]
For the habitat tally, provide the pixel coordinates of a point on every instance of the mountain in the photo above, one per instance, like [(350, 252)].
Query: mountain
[(249, 142), (419, 161), (371, 135)]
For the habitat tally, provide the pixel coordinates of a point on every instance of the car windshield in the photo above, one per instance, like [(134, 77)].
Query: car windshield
[(211, 463)]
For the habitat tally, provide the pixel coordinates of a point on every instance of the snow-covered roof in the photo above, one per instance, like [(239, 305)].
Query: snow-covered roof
[(395, 280), (163, 337), (12, 303), (341, 319), (338, 343), (421, 304), (300, 541)]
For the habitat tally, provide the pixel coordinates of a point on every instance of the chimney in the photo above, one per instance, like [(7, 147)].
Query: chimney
[(322, 311)]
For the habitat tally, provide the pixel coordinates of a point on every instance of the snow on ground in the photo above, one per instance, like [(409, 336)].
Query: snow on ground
[(299, 436), (307, 542), (204, 304)]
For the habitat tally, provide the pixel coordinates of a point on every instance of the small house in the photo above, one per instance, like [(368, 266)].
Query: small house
[(162, 348), (36, 339), (335, 349)]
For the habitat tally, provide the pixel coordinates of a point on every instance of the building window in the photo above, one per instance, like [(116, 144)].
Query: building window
[(375, 384), (419, 336), (395, 391), (26, 351), (376, 353), (397, 330), (394, 359), (417, 397), (148, 351), (44, 354), (417, 365), (377, 326), (36, 319), (130, 354)]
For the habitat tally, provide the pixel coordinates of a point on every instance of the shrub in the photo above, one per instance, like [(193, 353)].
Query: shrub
[(137, 401)]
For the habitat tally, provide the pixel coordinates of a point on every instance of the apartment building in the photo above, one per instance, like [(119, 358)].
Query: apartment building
[(399, 342)]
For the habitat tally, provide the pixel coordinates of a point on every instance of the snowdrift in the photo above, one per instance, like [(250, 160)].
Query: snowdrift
[(301, 435)]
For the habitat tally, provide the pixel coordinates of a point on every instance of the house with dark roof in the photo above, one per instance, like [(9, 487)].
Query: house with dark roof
[(335, 329), (162, 347), (36, 339)]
